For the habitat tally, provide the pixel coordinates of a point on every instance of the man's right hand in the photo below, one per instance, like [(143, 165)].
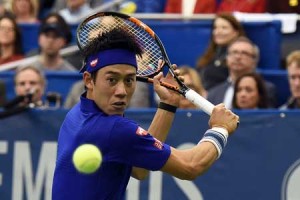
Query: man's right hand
[(223, 118)]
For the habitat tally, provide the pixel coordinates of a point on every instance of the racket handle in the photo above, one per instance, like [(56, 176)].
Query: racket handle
[(199, 101)]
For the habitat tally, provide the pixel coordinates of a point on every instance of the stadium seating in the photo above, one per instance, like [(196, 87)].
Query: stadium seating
[(186, 40), (56, 80)]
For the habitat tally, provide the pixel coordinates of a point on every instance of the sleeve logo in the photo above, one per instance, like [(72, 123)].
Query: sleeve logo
[(140, 131), (158, 144)]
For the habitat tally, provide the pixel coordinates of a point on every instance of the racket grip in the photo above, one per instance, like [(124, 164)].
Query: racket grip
[(199, 101)]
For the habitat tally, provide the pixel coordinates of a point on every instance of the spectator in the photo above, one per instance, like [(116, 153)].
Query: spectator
[(57, 18), (26, 11), (252, 6), (250, 92), (75, 57), (10, 40), (293, 69), (30, 83), (242, 58), (53, 37), (188, 7), (211, 64), (193, 81), (279, 6), (75, 11), (140, 98)]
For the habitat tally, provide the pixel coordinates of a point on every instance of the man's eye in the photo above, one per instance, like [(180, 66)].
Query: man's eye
[(130, 80), (111, 80)]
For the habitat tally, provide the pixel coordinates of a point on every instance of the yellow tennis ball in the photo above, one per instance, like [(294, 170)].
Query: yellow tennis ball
[(128, 7), (87, 158)]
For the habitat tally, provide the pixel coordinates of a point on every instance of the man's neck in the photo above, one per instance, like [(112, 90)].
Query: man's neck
[(51, 61)]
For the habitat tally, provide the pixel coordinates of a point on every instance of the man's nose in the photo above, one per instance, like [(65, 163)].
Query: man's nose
[(121, 89)]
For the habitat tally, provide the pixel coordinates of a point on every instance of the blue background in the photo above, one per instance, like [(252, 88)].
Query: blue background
[(252, 166)]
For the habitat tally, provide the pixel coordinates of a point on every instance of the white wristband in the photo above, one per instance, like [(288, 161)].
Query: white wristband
[(221, 130), (218, 137)]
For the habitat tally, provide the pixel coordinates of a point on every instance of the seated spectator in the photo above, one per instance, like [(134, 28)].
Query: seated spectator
[(140, 98), (250, 92), (10, 40), (211, 64), (253, 6), (242, 58), (53, 37), (293, 69), (188, 7), (75, 57), (279, 6), (57, 18), (75, 11), (30, 83), (193, 81), (25, 11)]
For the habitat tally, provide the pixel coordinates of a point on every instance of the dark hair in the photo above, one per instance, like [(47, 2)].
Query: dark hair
[(18, 44), (210, 51), (114, 39), (60, 21), (261, 87)]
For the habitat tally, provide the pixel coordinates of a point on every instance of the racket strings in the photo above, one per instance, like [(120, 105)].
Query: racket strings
[(148, 63)]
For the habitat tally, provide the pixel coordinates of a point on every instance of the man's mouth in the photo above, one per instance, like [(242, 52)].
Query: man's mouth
[(119, 105)]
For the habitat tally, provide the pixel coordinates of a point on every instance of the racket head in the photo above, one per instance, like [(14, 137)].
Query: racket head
[(153, 57)]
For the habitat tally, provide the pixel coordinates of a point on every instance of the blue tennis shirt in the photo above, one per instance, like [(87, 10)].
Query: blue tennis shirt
[(123, 144)]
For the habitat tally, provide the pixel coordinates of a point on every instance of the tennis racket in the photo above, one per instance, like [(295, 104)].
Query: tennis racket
[(153, 50)]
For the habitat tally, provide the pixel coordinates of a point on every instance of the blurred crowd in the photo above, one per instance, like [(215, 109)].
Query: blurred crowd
[(225, 72)]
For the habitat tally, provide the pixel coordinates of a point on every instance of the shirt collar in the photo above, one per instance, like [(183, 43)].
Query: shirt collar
[(88, 105)]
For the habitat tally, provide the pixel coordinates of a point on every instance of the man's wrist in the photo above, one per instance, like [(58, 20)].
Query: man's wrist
[(167, 107), (218, 137)]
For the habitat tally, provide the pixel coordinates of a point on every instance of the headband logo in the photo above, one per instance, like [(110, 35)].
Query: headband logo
[(94, 62)]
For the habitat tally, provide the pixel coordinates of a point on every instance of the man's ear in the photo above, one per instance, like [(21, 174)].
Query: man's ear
[(88, 80)]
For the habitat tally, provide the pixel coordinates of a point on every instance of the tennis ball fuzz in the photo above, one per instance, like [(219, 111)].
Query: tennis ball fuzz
[(87, 158)]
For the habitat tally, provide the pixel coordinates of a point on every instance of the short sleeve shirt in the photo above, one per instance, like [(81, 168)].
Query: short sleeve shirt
[(123, 144)]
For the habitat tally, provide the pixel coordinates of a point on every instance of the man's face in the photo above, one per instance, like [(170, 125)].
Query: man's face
[(294, 79), (27, 80), (113, 88), (51, 43), (241, 58)]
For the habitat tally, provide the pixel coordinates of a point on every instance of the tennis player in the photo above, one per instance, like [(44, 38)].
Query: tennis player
[(128, 149)]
